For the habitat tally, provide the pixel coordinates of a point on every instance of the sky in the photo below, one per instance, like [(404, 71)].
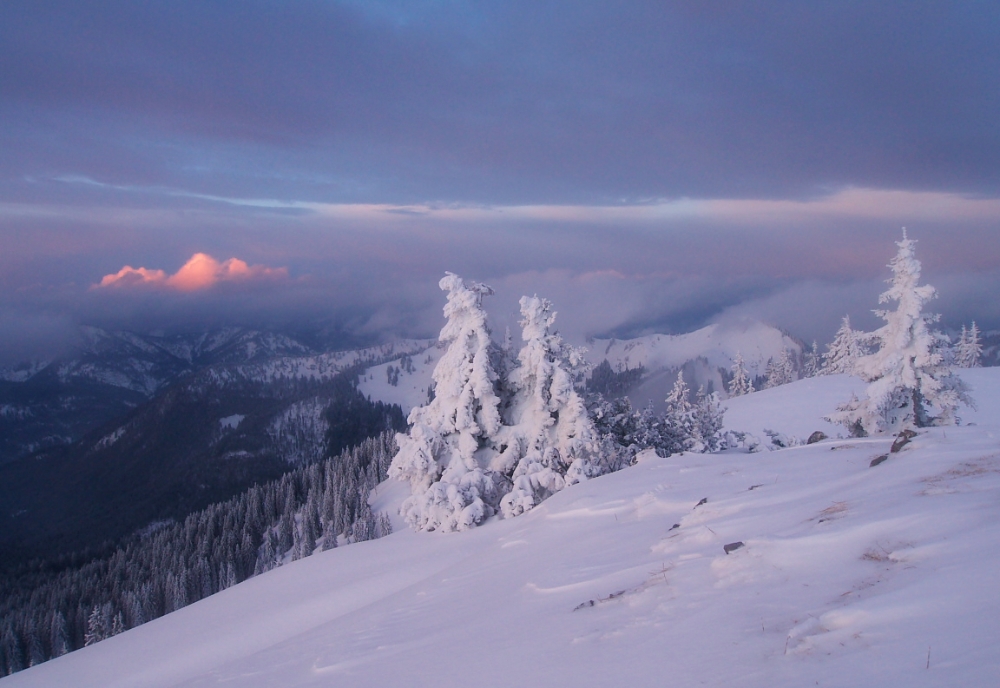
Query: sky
[(647, 166)]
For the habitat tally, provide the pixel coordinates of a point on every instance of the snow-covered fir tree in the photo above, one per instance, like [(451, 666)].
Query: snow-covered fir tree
[(781, 371), (741, 383), (909, 384), (811, 361), (679, 415), (708, 414), (969, 350), (843, 352), (446, 454), (549, 440), (689, 425)]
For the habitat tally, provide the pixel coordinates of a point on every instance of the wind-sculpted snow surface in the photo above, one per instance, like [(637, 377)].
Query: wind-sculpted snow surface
[(847, 576)]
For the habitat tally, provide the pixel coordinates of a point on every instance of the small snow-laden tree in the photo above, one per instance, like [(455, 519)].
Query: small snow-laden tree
[(549, 441), (621, 430), (708, 414), (741, 383), (58, 635), (843, 352), (781, 371), (969, 350), (678, 418), (811, 361), (98, 625), (909, 384), (446, 453), (689, 426)]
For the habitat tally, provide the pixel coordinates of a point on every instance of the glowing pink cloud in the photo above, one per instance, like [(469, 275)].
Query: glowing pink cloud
[(200, 272)]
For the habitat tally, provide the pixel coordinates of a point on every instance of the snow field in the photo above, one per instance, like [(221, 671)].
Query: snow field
[(850, 576)]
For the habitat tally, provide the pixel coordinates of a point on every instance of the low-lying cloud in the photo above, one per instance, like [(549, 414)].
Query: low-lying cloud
[(202, 271)]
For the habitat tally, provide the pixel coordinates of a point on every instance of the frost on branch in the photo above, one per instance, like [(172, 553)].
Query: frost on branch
[(909, 382), (445, 455), (550, 441)]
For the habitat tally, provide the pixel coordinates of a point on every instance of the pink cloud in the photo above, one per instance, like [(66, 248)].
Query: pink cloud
[(200, 272)]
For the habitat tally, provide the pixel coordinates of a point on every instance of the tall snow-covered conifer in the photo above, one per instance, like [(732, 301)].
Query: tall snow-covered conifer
[(445, 455), (549, 441), (909, 384)]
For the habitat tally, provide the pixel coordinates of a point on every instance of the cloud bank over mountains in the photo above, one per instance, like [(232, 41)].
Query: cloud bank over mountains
[(647, 166)]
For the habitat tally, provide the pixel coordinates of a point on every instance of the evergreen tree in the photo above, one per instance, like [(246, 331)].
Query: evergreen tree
[(549, 441), (741, 383), (969, 350), (780, 372), (10, 648), (58, 639), (843, 352), (909, 385), (445, 455), (708, 414), (97, 627), (811, 361), (36, 653), (678, 418)]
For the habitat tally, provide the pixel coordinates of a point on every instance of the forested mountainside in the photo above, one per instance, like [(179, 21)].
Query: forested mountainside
[(50, 403), (200, 440), (49, 608)]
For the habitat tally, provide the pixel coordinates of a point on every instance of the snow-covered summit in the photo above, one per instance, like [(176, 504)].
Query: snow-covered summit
[(718, 344), (837, 573), (661, 355)]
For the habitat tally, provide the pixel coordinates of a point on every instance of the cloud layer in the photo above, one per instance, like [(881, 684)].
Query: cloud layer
[(646, 165)]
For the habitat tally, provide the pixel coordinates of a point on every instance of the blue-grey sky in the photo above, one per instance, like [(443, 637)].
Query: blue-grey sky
[(646, 165)]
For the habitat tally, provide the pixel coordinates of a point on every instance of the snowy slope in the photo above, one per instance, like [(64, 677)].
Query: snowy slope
[(850, 576), (411, 388), (795, 409)]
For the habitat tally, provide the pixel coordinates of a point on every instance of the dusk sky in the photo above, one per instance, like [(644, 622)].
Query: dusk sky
[(648, 166)]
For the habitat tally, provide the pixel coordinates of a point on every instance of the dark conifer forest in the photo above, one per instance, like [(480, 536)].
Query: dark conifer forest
[(50, 607)]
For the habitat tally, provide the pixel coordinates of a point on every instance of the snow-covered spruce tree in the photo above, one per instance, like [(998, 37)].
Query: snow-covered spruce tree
[(811, 361), (708, 414), (445, 455), (679, 427), (969, 350), (780, 372), (909, 385), (689, 426), (843, 352), (741, 383), (549, 440)]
